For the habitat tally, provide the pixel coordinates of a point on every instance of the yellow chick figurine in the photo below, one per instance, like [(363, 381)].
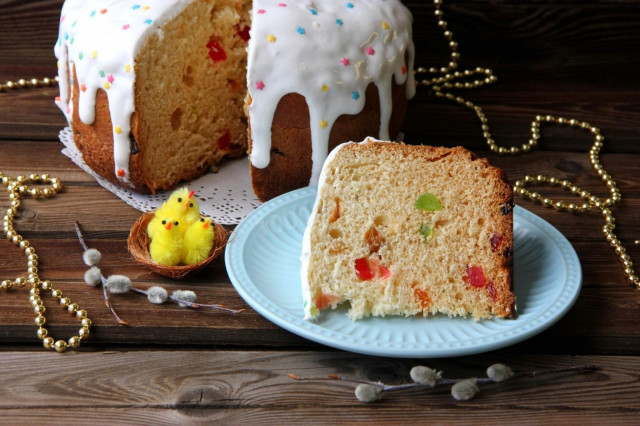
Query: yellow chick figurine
[(198, 241), (181, 206), (166, 244)]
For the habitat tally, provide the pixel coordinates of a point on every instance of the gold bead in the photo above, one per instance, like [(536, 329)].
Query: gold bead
[(86, 323), (40, 320), (42, 332), (83, 332), (620, 250), (48, 342), (60, 346), (65, 301), (559, 205), (20, 281), (6, 285), (29, 251), (73, 308), (24, 244), (546, 201), (39, 309), (74, 342), (634, 279), (56, 293), (81, 313)]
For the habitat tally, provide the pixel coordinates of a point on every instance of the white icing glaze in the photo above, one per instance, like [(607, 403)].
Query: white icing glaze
[(102, 43), (328, 52), (306, 237)]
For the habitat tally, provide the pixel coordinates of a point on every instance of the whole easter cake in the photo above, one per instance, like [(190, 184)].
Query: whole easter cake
[(409, 230), (158, 92)]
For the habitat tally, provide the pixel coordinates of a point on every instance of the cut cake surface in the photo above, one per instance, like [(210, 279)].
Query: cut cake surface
[(409, 230)]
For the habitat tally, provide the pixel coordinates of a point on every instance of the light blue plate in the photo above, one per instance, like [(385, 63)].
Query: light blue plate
[(263, 262)]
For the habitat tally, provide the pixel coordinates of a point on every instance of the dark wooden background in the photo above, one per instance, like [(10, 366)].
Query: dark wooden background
[(575, 59)]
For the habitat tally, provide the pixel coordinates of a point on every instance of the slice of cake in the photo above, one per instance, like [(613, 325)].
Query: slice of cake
[(407, 230)]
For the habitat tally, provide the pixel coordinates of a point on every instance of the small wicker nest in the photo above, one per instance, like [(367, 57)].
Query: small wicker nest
[(138, 245)]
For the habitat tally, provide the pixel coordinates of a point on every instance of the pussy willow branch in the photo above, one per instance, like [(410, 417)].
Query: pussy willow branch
[(443, 382), (105, 293)]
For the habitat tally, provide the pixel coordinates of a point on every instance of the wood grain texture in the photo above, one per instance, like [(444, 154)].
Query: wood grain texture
[(241, 387)]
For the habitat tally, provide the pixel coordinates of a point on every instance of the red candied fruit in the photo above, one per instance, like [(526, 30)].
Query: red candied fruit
[(496, 242), (224, 141), (243, 32), (364, 270), (216, 52), (368, 269), (325, 300), (475, 276)]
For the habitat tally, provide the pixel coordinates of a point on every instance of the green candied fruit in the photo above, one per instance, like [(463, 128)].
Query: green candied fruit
[(428, 202), (426, 231)]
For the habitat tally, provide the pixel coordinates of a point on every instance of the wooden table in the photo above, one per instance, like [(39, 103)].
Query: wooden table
[(174, 365)]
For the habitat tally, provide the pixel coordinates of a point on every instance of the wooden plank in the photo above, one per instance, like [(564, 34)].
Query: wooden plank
[(253, 387)]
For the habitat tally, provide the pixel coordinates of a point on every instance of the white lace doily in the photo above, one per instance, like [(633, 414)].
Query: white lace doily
[(226, 195)]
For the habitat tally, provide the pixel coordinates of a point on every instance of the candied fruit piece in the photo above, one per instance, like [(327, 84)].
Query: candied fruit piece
[(374, 240), (216, 52), (368, 269), (475, 276), (507, 253), (224, 141), (505, 209), (426, 231), (428, 202), (422, 297), (244, 32), (364, 270), (496, 242), (325, 300)]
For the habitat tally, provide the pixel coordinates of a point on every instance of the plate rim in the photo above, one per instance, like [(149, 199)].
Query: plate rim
[(562, 303)]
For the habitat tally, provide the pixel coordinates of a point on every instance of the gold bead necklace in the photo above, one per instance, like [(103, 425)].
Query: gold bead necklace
[(18, 187), (446, 78), (24, 83)]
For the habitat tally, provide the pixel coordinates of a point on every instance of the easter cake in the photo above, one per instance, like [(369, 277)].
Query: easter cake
[(158, 92), (409, 230)]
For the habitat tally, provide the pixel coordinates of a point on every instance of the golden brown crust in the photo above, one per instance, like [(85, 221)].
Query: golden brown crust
[(290, 164)]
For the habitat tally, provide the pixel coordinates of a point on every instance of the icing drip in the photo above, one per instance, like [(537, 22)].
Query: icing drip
[(328, 52), (101, 43)]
